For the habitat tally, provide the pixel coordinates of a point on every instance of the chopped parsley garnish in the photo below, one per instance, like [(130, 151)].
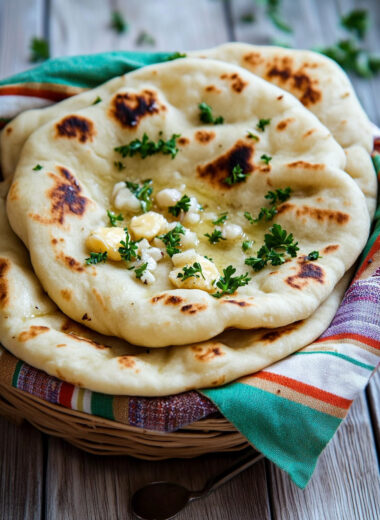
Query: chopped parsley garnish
[(176, 56), (37, 168), (142, 192), (352, 57), (314, 255), (96, 258), (228, 284), (188, 272), (266, 158), (278, 195), (236, 176), (182, 205), (247, 18), (146, 147), (276, 244), (144, 38), (39, 50), (247, 244), (118, 22), (206, 115), (113, 218), (356, 21), (249, 217), (221, 219), (128, 249), (208, 258), (273, 12), (119, 165), (251, 135), (215, 237), (97, 100), (262, 124), (267, 213), (172, 239), (139, 271)]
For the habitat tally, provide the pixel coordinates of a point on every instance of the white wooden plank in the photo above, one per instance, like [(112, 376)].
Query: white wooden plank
[(91, 487), (84, 27), (346, 483), (21, 472), (20, 20)]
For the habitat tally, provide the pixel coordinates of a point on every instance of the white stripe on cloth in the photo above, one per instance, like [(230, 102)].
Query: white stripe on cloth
[(10, 106)]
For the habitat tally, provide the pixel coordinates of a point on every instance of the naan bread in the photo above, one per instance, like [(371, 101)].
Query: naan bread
[(34, 330), (55, 209), (324, 88)]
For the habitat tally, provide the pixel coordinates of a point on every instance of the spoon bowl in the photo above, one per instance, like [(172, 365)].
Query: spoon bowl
[(160, 500)]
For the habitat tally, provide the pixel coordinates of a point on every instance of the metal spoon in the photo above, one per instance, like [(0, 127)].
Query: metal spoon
[(163, 500)]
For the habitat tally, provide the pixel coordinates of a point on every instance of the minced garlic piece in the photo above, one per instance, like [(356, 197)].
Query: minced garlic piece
[(124, 199), (106, 240), (188, 258), (148, 225), (231, 231), (168, 197)]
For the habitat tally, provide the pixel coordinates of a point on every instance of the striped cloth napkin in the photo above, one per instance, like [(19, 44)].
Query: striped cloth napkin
[(290, 410)]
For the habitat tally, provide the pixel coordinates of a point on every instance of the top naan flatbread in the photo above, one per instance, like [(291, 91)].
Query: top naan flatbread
[(54, 209)]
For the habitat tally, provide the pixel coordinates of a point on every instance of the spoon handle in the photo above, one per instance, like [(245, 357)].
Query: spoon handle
[(237, 467)]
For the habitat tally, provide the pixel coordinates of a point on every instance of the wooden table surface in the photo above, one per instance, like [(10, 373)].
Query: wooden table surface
[(42, 477)]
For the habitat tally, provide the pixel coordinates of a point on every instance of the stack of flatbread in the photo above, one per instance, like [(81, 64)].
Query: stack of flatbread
[(185, 224)]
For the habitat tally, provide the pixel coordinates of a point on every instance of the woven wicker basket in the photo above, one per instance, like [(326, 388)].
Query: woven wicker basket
[(104, 437)]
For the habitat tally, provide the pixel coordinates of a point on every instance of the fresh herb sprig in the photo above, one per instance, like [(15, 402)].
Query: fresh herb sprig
[(96, 258), (352, 57), (314, 255), (37, 168), (172, 239), (215, 237), (119, 165), (97, 100), (237, 175), (247, 244), (266, 158), (278, 195), (139, 271), (146, 147), (113, 218), (142, 193), (206, 115), (118, 22), (251, 135), (266, 213), (356, 21), (228, 283), (176, 55), (221, 219), (191, 271), (182, 205), (128, 248), (39, 48), (274, 196), (262, 124)]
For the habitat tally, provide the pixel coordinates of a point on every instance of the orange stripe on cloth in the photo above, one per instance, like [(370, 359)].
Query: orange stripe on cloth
[(350, 335), (305, 389), (370, 263), (38, 92)]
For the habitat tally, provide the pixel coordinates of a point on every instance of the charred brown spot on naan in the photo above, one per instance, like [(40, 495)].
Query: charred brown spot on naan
[(308, 271), (156, 299), (183, 141), (274, 335), (72, 327), (193, 308), (126, 361), (309, 133), (61, 345), (282, 125), (54, 241), (13, 191), (66, 294), (217, 171), (213, 88), (76, 127), (296, 80), (219, 381), (173, 300), (65, 197), (8, 130), (99, 298), (86, 317), (32, 332), (320, 214), (306, 165), (4, 291), (129, 108), (330, 249), (253, 59), (237, 83), (88, 341), (70, 262), (204, 136), (209, 353), (240, 303)]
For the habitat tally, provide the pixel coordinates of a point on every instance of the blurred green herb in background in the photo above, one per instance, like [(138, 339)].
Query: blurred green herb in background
[(352, 57), (145, 38), (118, 22), (356, 21), (39, 50)]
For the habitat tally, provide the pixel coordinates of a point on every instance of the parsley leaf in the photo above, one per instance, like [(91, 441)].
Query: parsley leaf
[(142, 193), (215, 237), (119, 165), (353, 58), (356, 21), (141, 270), (97, 100), (267, 213), (221, 219), (146, 147), (251, 135), (176, 56), (113, 218), (273, 12), (247, 244), (118, 22), (228, 284), (182, 205), (314, 255), (262, 124), (37, 168), (249, 217), (278, 194), (188, 272), (266, 158), (206, 115), (236, 176), (278, 237), (172, 239), (128, 248), (96, 258), (39, 50)]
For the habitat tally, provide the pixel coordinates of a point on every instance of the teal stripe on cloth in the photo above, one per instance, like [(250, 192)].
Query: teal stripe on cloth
[(16, 373), (87, 71), (102, 405), (293, 444), (339, 355)]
